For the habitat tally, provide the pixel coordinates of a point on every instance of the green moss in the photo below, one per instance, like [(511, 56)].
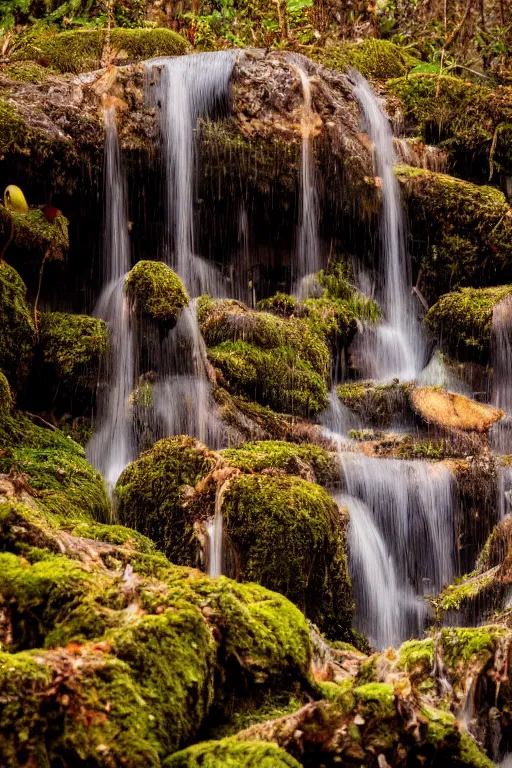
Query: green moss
[(464, 645), (277, 378), (33, 232), (27, 72), (280, 304), (467, 117), (16, 327), (294, 459), (71, 349), (462, 321), (376, 700), (55, 467), (230, 753), (289, 536), (5, 396), (376, 404), (149, 494), (376, 59), (416, 657), (231, 321), (474, 244), (82, 50), (156, 292), (115, 534), (463, 592)]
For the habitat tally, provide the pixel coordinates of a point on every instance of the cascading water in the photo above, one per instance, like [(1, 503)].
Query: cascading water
[(111, 447), (308, 258), (501, 433), (402, 533), (397, 349), (186, 88)]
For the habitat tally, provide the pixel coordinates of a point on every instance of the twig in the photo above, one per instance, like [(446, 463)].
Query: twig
[(36, 323)]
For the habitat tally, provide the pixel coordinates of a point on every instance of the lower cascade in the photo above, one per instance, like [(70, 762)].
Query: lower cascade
[(255, 385)]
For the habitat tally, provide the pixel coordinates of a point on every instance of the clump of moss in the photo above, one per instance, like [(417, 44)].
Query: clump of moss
[(55, 468), (16, 326), (303, 460), (71, 348), (461, 321), (230, 753), (82, 49), (376, 59), (27, 72), (149, 494), (378, 404), (477, 230), (290, 536), (156, 292)]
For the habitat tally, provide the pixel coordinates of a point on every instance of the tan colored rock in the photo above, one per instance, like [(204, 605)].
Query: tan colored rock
[(450, 410)]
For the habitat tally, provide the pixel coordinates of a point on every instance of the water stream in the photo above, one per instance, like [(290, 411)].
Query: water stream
[(396, 349), (112, 446)]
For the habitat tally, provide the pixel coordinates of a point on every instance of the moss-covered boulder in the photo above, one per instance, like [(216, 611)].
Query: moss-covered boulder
[(230, 753), (156, 292), (289, 535), (311, 462), (149, 494), (469, 119), (381, 405), (473, 245), (279, 362), (132, 690), (375, 59), (55, 468), (5, 396), (461, 322), (16, 327), (34, 235), (69, 354), (82, 50)]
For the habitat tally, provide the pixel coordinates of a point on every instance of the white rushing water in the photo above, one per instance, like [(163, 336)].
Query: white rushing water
[(396, 348), (307, 259), (186, 88), (401, 541), (111, 447), (500, 435)]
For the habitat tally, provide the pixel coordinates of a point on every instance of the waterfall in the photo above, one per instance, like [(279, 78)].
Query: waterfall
[(401, 541), (500, 435), (308, 260), (183, 398), (185, 88), (111, 447), (397, 350)]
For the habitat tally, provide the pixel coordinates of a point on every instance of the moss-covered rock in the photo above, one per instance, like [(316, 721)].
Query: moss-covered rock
[(230, 753), (305, 460), (5, 396), (83, 50), (70, 351), (55, 468), (376, 59), (279, 362), (469, 119), (156, 292), (33, 231), (149, 494), (381, 405), (473, 247), (289, 535), (461, 322), (16, 326)]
